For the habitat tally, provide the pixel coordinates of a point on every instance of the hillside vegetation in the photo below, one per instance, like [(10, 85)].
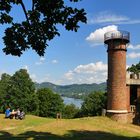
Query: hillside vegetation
[(74, 90), (90, 128)]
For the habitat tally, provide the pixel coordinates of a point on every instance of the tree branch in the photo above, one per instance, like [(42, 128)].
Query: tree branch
[(25, 12), (33, 3)]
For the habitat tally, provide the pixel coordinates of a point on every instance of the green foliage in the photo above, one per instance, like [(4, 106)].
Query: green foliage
[(32, 104), (75, 90), (134, 68), (5, 85), (22, 90), (18, 91), (40, 25), (49, 103), (70, 111), (93, 104)]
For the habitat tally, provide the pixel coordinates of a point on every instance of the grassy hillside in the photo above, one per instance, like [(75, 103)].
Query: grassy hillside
[(92, 128)]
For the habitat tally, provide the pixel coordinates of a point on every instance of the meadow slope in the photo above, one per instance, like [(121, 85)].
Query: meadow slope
[(90, 128)]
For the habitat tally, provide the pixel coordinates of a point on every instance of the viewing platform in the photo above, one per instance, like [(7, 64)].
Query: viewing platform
[(117, 35)]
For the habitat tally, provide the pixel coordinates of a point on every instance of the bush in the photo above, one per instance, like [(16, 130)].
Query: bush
[(49, 103), (70, 111), (93, 104)]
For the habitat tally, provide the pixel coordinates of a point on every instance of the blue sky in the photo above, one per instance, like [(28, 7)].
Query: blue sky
[(79, 57)]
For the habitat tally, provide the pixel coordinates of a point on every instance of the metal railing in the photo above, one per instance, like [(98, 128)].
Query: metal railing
[(132, 108), (117, 35)]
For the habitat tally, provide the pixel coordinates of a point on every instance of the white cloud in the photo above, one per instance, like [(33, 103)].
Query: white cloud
[(41, 61), (106, 17), (98, 35), (133, 55), (69, 75), (89, 73), (109, 18), (26, 67), (91, 68), (33, 77), (54, 61), (38, 63), (45, 78), (42, 58), (136, 47)]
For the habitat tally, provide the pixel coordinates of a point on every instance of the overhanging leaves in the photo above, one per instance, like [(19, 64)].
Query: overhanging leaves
[(40, 25)]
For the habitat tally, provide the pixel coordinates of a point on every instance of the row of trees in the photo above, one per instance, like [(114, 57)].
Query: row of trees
[(18, 90)]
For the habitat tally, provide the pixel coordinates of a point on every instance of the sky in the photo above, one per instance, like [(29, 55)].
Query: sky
[(81, 57)]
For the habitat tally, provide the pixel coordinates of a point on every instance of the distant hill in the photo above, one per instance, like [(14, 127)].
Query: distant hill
[(74, 90)]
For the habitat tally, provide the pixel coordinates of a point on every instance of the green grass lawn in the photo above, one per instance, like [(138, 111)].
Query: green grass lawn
[(91, 128)]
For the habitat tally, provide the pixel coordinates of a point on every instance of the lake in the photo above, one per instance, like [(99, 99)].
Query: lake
[(76, 102)]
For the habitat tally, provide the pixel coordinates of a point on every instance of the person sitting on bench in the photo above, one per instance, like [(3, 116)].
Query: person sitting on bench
[(10, 114), (7, 112)]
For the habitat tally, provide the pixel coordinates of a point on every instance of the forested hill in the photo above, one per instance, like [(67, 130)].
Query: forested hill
[(74, 90)]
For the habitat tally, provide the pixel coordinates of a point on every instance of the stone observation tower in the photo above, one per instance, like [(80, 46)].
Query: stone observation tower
[(118, 99)]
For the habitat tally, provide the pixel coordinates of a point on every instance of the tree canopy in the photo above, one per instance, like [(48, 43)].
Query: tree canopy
[(18, 90), (5, 84), (71, 111), (49, 103), (39, 26), (134, 68), (93, 104)]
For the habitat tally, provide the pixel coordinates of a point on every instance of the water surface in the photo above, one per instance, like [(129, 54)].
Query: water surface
[(76, 102)]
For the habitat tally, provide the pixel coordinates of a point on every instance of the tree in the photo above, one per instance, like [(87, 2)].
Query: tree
[(18, 91), (134, 68), (93, 104), (70, 111), (49, 103), (5, 85), (40, 24), (22, 92)]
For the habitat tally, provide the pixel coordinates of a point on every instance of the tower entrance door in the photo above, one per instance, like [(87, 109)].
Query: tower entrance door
[(133, 95), (135, 98)]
